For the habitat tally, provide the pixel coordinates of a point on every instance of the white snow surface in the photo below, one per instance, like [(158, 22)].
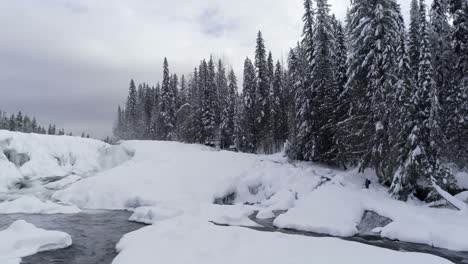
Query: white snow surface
[(32, 205), (173, 186), (52, 156), (190, 177), (189, 240), (63, 183), (337, 208), (186, 176), (23, 239)]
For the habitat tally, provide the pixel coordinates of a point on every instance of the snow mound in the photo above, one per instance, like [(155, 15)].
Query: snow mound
[(232, 215), (32, 205), (324, 211), (152, 214), (337, 210), (188, 175), (25, 157), (184, 240), (24, 239)]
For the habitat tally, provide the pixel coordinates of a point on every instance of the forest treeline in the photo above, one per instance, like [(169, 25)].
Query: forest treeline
[(367, 92), (26, 124)]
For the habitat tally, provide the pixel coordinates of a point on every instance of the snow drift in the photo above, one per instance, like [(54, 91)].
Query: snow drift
[(23, 239), (29, 157)]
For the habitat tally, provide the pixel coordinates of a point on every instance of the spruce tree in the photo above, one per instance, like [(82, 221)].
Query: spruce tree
[(420, 163), (229, 112), (414, 37), (167, 105), (279, 110), (132, 112), (375, 34), (324, 88), (301, 130), (264, 136), (249, 110), (456, 106)]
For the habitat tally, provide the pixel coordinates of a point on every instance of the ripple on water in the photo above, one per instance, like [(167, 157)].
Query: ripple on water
[(94, 235)]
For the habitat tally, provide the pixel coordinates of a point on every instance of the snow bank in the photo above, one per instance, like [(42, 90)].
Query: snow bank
[(32, 156), (23, 239), (325, 211), (186, 176), (190, 178), (337, 209), (32, 205), (185, 240)]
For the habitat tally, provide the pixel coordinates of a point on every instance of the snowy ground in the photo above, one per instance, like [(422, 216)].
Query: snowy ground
[(23, 239), (173, 186)]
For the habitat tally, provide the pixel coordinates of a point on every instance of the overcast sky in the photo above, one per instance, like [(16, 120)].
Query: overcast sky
[(70, 61)]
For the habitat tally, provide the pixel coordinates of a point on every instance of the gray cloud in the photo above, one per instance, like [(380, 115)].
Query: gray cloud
[(70, 61)]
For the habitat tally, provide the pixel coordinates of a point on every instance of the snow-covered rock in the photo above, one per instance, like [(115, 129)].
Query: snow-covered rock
[(152, 214), (23, 239), (32, 205), (232, 215), (371, 222)]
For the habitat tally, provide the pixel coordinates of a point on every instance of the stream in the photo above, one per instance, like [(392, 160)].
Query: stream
[(94, 234), (266, 225)]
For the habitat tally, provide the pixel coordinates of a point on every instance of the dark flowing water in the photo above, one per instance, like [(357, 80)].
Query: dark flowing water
[(94, 235), (454, 256)]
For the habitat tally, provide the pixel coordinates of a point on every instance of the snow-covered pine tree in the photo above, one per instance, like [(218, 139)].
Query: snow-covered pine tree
[(195, 101), (301, 64), (301, 140), (141, 119), (208, 102), (229, 111), (264, 136), (132, 112), (184, 91), (148, 111), (223, 102), (403, 122), (19, 122), (249, 110), (340, 54), (419, 155), (156, 120), (174, 83), (414, 37), (325, 90), (442, 59), (457, 106), (119, 126), (34, 126), (167, 104), (279, 111), (375, 33)]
